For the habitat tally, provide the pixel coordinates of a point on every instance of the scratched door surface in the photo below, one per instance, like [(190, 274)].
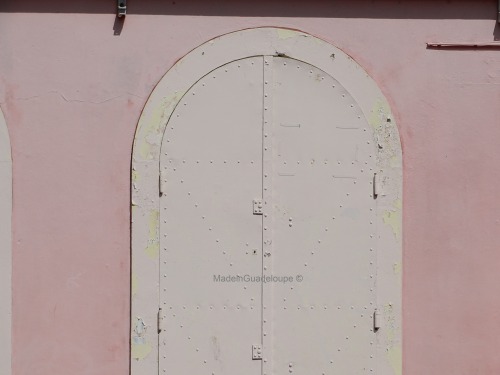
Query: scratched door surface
[(323, 230), (211, 166)]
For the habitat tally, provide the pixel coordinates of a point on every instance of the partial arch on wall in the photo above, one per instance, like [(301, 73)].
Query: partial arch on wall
[(5, 247), (145, 177)]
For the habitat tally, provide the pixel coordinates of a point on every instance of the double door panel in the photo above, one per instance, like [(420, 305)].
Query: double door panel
[(268, 256)]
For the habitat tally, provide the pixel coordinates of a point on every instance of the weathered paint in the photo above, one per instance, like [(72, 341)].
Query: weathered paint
[(394, 356), (393, 216), (140, 348), (164, 108), (397, 268), (135, 176), (153, 246), (286, 33), (134, 284), (393, 349), (72, 164)]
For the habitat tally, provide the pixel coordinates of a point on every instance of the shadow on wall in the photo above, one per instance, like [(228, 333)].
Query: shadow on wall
[(399, 9), (378, 9)]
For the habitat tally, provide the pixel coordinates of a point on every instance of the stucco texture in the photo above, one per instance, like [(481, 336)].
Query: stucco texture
[(72, 87)]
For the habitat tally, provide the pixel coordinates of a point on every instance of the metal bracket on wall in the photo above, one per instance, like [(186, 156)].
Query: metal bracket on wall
[(464, 46), (121, 10)]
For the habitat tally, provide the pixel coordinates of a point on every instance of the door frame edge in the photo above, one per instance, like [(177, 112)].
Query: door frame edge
[(6, 248)]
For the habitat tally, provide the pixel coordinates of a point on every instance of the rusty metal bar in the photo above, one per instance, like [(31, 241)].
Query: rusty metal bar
[(486, 45)]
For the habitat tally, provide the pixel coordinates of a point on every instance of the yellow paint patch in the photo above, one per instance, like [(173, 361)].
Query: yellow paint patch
[(394, 355), (389, 324), (154, 219), (145, 150), (395, 162), (397, 268), (163, 111), (153, 125), (140, 351), (395, 358), (135, 283), (135, 176), (286, 33), (380, 112), (153, 248), (398, 204), (156, 122), (393, 218)]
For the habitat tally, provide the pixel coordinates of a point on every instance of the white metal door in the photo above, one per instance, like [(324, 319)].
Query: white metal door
[(323, 215), (283, 132), (211, 170)]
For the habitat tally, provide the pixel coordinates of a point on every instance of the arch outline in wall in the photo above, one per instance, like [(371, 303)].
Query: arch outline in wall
[(145, 177), (5, 248)]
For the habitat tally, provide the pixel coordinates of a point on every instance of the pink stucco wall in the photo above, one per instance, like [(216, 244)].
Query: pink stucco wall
[(72, 93)]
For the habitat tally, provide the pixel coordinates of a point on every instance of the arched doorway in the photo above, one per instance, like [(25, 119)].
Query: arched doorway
[(266, 153)]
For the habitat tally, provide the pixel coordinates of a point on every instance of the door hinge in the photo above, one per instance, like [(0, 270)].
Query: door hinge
[(160, 320), (256, 352), (257, 207), (376, 320), (377, 186), (161, 185)]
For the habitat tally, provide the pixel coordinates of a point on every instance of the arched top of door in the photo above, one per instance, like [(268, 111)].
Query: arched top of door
[(254, 42)]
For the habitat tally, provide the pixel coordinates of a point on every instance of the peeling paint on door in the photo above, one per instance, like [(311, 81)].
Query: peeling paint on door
[(392, 217), (152, 250)]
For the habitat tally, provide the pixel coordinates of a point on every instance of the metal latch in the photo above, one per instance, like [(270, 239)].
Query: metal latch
[(256, 352), (122, 8), (257, 207)]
